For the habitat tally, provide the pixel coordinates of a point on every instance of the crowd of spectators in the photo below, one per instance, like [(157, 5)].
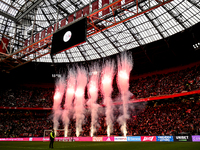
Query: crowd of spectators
[(163, 117), (167, 119), (27, 97), (155, 85), (24, 123), (166, 84)]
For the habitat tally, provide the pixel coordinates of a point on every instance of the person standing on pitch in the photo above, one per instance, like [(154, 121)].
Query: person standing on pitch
[(52, 136)]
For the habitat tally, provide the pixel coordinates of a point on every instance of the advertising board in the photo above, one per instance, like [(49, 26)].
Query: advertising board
[(97, 139), (82, 138), (120, 138), (164, 138), (108, 139), (134, 138), (37, 139), (64, 138), (148, 138), (14, 139), (196, 138), (182, 138), (46, 139)]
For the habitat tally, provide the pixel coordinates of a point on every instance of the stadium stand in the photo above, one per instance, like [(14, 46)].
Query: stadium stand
[(165, 117), (161, 117), (180, 81)]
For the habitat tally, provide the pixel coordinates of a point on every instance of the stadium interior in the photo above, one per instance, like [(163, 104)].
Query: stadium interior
[(162, 37)]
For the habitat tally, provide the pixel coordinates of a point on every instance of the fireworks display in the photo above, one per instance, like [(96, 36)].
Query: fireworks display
[(58, 96), (92, 102), (106, 88), (124, 68), (74, 88), (79, 107), (69, 96)]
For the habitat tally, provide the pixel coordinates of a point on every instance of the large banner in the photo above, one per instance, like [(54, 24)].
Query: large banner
[(95, 7), (63, 22), (37, 37), (182, 138), (104, 3), (86, 10), (148, 138), (42, 35), (70, 18), (195, 138), (4, 44), (164, 138), (79, 14), (134, 138)]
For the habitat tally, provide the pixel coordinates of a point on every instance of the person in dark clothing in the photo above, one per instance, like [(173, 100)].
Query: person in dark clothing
[(52, 136)]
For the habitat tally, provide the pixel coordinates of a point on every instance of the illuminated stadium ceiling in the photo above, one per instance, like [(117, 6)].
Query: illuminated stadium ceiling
[(151, 26)]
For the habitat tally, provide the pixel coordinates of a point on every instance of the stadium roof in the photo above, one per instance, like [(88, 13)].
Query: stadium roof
[(156, 24)]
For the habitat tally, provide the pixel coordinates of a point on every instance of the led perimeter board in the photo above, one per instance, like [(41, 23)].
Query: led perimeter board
[(69, 36)]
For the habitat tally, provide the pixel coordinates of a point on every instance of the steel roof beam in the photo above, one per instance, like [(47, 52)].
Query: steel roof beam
[(50, 13), (175, 17), (67, 56), (8, 16), (136, 39), (81, 53), (152, 22), (56, 8), (95, 48), (65, 11), (195, 4), (46, 16), (18, 17), (10, 5), (111, 41)]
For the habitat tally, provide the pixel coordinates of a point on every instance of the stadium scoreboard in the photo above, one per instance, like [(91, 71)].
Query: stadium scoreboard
[(69, 36)]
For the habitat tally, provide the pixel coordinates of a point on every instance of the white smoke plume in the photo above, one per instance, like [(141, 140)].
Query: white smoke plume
[(93, 95), (106, 88), (125, 65), (58, 96), (80, 99), (69, 97)]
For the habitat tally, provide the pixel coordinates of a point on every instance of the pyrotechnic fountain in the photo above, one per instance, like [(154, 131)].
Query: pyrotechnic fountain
[(93, 95), (80, 99), (59, 92), (106, 83), (69, 96), (124, 68)]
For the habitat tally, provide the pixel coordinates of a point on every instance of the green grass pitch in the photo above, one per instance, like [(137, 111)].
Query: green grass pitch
[(101, 145)]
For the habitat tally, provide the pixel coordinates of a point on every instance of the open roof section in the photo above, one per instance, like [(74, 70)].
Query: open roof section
[(159, 23)]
